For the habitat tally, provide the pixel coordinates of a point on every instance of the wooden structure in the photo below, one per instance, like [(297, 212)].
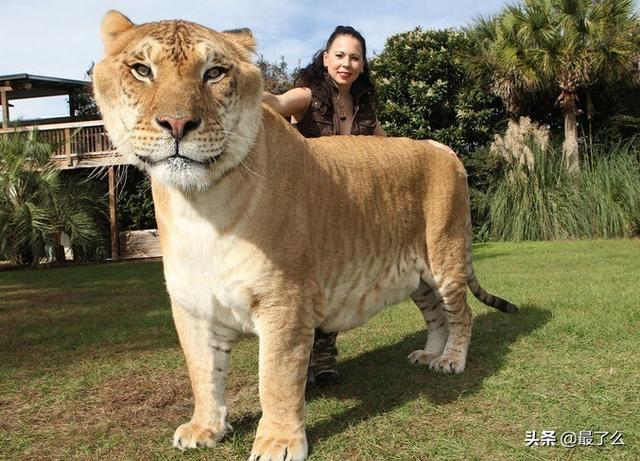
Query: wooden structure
[(140, 244), (78, 142), (27, 86)]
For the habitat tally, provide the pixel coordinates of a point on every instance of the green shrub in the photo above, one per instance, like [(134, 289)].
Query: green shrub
[(543, 202), (424, 93), (135, 203)]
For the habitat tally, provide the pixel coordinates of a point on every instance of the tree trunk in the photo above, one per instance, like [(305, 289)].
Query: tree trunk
[(58, 249), (570, 145), (590, 112)]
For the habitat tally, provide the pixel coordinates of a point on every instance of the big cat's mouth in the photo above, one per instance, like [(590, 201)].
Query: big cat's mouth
[(179, 160)]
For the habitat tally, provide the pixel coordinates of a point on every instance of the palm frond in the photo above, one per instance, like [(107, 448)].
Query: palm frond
[(35, 203)]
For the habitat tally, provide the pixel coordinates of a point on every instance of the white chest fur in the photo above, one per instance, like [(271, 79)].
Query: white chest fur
[(210, 273)]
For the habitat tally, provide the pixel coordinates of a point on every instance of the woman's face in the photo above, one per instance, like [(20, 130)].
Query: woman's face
[(344, 60)]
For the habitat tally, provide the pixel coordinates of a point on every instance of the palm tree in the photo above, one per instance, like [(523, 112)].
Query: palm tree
[(483, 58), (559, 46), (35, 203)]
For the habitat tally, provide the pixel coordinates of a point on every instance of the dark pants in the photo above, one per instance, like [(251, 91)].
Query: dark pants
[(323, 356)]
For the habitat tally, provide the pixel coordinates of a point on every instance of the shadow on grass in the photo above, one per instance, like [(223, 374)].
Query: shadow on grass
[(382, 379), (55, 332), (52, 319), (492, 255)]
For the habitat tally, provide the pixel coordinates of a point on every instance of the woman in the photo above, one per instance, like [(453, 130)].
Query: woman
[(334, 95)]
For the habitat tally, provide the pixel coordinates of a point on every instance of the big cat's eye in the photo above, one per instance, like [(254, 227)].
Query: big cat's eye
[(215, 74), (141, 71)]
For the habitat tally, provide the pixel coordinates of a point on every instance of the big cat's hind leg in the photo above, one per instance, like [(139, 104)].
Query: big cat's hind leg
[(449, 321), (437, 327), (453, 292)]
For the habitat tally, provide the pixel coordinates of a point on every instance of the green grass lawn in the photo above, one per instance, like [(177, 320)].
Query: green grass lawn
[(90, 367)]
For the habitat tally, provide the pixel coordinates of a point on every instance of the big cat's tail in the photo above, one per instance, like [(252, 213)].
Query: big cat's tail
[(487, 298), (480, 293)]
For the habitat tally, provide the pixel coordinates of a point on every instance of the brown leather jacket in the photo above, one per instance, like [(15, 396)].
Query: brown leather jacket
[(321, 119)]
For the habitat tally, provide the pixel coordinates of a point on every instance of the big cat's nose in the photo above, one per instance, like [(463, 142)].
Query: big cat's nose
[(178, 127)]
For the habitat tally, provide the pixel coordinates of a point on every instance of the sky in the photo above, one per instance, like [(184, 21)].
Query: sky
[(61, 38)]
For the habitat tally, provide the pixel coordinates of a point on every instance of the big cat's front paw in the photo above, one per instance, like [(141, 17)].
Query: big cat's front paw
[(421, 357), (194, 435), (448, 364), (279, 445)]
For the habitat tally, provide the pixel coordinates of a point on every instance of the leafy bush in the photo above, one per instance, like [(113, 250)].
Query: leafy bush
[(135, 203), (423, 91), (483, 167)]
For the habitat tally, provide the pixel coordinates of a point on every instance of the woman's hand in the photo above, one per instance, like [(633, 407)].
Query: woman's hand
[(293, 103)]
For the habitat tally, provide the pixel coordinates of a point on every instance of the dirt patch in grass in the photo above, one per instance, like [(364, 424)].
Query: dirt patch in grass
[(136, 405), (22, 296), (143, 407), (52, 297), (135, 400)]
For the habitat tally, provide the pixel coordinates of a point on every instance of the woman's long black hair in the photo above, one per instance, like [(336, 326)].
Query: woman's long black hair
[(316, 73)]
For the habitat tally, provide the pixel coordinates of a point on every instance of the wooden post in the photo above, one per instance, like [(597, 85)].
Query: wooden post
[(5, 105), (115, 250), (67, 146)]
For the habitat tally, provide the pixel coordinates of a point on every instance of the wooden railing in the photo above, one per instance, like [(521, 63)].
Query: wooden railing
[(77, 144)]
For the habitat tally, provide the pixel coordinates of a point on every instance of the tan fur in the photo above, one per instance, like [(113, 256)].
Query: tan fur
[(279, 235)]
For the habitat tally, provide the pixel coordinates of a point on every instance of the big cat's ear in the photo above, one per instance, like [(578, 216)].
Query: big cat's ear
[(242, 37), (113, 25)]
